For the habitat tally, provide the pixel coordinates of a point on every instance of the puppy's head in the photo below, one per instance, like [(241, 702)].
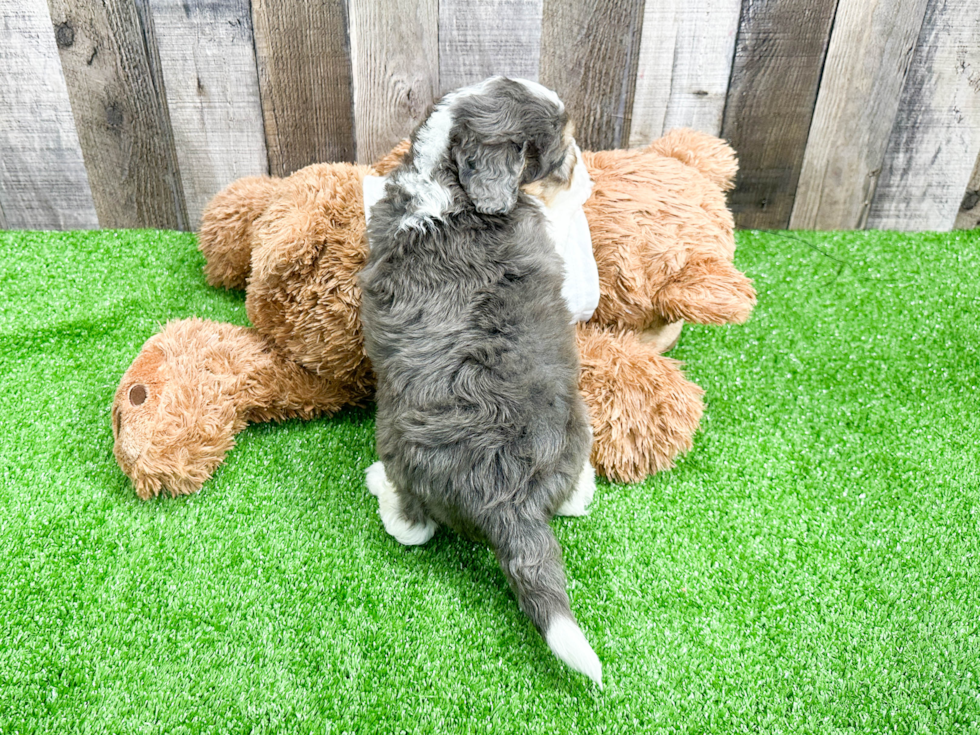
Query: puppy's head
[(504, 134)]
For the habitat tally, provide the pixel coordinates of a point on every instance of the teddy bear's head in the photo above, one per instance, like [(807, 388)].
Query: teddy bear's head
[(170, 431)]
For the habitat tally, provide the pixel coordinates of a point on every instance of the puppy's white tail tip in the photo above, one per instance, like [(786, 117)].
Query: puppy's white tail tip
[(567, 642)]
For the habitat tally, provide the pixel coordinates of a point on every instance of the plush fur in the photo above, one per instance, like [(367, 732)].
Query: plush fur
[(480, 425), (662, 238), (192, 388)]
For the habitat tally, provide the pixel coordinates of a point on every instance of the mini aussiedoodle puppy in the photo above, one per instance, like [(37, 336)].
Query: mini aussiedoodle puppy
[(480, 425)]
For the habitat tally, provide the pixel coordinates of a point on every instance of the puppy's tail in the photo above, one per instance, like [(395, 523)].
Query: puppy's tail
[(530, 556)]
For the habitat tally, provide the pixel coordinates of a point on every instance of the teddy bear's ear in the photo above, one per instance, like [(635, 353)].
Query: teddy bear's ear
[(227, 229), (711, 156)]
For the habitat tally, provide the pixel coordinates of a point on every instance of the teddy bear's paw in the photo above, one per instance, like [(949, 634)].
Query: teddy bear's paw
[(577, 504), (390, 509), (707, 290)]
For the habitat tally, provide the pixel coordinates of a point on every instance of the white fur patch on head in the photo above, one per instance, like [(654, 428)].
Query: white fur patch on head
[(431, 146), (432, 141), (430, 198), (567, 642)]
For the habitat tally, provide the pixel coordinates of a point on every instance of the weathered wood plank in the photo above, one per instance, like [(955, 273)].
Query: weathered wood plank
[(870, 51), (116, 92), (969, 214), (685, 63), (392, 96), (935, 141), (43, 183), (482, 38), (589, 54), (207, 56), (779, 54), (303, 56)]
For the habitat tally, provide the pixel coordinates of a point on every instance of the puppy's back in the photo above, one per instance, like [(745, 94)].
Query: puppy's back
[(473, 316)]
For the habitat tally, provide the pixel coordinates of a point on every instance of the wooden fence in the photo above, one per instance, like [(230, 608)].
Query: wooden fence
[(845, 114)]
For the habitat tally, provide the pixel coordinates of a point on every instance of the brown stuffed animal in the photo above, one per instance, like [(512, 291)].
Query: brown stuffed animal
[(663, 242)]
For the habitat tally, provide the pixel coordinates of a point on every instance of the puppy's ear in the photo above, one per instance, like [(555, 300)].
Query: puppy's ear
[(490, 174)]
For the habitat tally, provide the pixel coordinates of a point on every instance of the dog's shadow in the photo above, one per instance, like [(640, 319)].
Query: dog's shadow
[(483, 596)]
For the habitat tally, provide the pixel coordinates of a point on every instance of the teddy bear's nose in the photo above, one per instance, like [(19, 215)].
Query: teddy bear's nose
[(137, 394)]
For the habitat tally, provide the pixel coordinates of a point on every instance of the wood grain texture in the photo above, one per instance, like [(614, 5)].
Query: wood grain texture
[(779, 55), (684, 66), (482, 38), (589, 53), (43, 183), (207, 56), (117, 98), (303, 57), (969, 214), (935, 141), (391, 97), (871, 48)]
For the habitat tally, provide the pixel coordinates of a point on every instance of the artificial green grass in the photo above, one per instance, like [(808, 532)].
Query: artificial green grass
[(812, 566)]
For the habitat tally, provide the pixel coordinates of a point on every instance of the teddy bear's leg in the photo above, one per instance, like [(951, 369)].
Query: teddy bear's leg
[(405, 530), (706, 290), (225, 235), (644, 411)]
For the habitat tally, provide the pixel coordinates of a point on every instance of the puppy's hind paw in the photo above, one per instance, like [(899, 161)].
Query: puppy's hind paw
[(377, 480), (577, 504), (390, 509)]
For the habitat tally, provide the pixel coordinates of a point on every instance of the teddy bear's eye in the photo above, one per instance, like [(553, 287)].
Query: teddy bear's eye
[(137, 394)]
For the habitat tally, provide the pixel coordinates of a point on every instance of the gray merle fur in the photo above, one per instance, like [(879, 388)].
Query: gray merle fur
[(480, 424)]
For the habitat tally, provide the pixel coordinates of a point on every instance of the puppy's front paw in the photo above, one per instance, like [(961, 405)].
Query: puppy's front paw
[(577, 504), (390, 510)]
